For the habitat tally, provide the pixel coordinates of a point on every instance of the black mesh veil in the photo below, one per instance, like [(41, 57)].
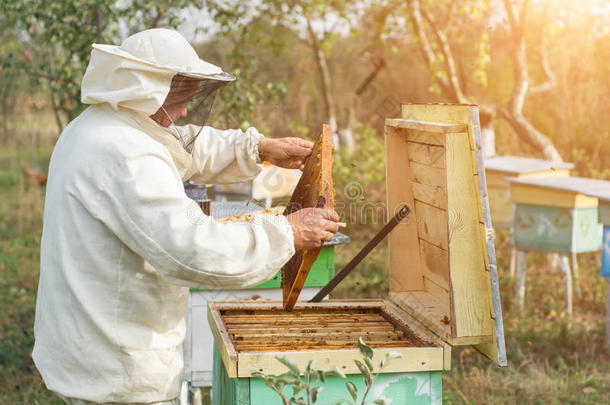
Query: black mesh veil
[(190, 101)]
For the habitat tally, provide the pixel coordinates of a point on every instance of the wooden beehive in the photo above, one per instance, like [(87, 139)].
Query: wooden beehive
[(498, 169), (556, 214), (443, 277)]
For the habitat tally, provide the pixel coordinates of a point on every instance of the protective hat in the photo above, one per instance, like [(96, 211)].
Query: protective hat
[(156, 72), (166, 49)]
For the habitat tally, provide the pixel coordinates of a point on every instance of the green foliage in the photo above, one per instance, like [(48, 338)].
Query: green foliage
[(304, 391), (367, 371), (56, 39)]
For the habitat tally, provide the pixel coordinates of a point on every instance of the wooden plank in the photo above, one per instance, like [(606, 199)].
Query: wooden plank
[(438, 291), (315, 189), (432, 225), (423, 174), (299, 336), (322, 316), (431, 195), (550, 173), (429, 155), (335, 324), (517, 165), (289, 344), (403, 240), (427, 309), (423, 138), (483, 232), (497, 179), (534, 195), (234, 331), (300, 306), (501, 206), (470, 284), (411, 325), (435, 262), (269, 310), (431, 312), (223, 341), (413, 359), (445, 113), (427, 126), (591, 187)]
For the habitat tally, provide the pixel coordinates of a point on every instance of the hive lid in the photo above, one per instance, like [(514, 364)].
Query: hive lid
[(573, 184), (522, 165), (568, 192), (442, 258)]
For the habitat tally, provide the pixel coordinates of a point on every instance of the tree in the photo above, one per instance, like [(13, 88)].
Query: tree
[(437, 18), (316, 23), (56, 39)]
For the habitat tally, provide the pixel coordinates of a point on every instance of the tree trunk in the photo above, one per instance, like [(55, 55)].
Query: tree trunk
[(513, 112), (488, 133), (329, 101)]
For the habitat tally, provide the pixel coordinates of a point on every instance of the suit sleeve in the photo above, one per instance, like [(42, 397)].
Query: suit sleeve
[(225, 156), (144, 204)]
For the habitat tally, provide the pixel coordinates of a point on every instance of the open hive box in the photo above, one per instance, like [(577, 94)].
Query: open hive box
[(443, 277)]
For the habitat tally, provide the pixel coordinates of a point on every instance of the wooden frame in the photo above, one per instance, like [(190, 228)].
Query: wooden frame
[(431, 355), (450, 293), (434, 164), (315, 189)]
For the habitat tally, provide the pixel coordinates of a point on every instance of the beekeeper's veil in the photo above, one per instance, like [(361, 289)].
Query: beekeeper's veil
[(158, 73)]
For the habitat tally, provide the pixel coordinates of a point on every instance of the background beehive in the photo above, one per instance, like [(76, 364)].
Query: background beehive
[(499, 168)]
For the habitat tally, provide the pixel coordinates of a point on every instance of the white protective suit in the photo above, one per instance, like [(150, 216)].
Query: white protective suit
[(121, 241)]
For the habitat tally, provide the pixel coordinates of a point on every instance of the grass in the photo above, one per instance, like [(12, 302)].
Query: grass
[(552, 359)]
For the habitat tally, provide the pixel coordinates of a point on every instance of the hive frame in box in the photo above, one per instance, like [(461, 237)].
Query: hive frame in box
[(315, 189), (458, 302), (246, 364)]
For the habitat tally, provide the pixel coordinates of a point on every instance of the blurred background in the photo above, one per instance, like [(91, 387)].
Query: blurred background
[(539, 70)]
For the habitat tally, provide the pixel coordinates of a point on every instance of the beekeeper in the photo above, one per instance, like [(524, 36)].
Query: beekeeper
[(122, 242)]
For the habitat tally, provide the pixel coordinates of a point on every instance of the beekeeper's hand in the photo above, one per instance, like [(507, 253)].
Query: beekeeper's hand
[(289, 153), (313, 226)]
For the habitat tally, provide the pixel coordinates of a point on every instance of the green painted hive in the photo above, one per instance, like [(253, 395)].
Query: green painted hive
[(554, 215)]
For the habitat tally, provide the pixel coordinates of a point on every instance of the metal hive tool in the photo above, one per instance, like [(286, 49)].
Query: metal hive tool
[(315, 189)]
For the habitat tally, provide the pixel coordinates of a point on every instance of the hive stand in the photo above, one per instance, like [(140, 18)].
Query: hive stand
[(443, 281), (603, 195), (497, 170), (554, 215)]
